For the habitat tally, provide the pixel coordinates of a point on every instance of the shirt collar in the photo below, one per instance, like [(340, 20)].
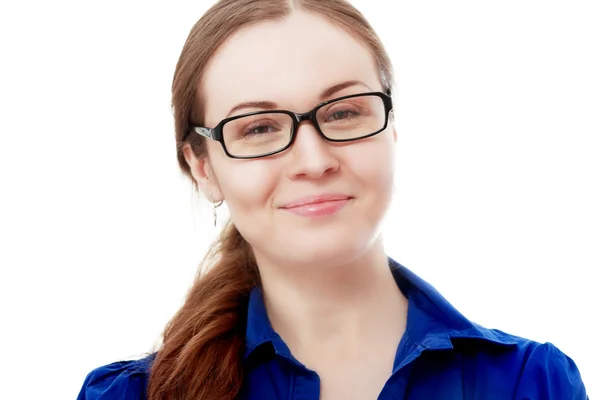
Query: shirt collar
[(432, 321), (258, 328)]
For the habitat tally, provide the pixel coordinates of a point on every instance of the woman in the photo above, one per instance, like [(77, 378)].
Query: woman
[(283, 110)]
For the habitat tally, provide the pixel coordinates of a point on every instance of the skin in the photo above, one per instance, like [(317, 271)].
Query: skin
[(327, 286)]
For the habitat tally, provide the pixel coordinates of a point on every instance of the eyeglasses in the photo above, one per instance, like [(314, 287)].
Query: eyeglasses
[(264, 133)]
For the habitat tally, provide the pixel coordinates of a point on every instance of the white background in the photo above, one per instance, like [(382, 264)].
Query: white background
[(497, 192)]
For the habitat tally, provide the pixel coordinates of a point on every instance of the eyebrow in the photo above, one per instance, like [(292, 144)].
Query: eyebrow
[(269, 105), (339, 87)]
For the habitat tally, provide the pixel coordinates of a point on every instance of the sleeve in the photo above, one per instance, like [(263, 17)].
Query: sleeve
[(550, 374), (124, 380)]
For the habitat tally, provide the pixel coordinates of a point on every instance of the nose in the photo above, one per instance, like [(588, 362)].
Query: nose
[(312, 155)]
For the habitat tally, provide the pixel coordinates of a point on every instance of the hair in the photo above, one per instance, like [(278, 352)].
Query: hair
[(202, 351)]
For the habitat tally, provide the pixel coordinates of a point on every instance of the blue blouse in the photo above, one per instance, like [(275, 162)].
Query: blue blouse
[(442, 355)]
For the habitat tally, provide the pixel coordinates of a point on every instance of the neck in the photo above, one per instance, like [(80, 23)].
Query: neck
[(335, 308)]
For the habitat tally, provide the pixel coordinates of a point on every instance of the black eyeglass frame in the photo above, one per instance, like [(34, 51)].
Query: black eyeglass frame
[(216, 133)]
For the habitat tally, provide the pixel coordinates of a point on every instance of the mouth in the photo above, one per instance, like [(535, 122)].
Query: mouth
[(318, 206)]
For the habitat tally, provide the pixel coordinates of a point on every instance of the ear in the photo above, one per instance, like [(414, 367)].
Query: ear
[(203, 174)]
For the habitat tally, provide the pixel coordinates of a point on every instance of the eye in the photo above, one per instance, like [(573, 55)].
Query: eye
[(262, 127), (259, 130), (341, 115)]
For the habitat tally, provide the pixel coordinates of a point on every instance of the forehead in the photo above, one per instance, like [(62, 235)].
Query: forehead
[(289, 62)]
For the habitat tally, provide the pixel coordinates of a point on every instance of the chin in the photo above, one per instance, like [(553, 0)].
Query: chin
[(318, 250)]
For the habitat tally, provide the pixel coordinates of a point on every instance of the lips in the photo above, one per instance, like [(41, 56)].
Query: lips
[(318, 206), (314, 200)]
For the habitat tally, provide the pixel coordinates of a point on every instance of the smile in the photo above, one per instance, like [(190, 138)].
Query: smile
[(318, 206)]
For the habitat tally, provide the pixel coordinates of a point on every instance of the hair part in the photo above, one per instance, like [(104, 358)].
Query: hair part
[(201, 356)]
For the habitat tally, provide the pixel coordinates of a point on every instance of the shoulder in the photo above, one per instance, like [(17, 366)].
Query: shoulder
[(545, 371), (125, 380), (531, 370), (488, 358), (549, 373)]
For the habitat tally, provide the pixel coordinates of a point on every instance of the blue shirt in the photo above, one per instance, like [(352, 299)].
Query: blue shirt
[(442, 355)]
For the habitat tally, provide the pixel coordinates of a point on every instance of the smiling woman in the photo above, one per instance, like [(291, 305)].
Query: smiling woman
[(283, 109)]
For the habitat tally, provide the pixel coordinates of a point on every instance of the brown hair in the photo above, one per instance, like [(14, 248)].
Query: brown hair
[(201, 356)]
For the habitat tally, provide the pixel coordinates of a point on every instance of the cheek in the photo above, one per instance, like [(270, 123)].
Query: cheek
[(374, 170), (247, 186), (374, 163)]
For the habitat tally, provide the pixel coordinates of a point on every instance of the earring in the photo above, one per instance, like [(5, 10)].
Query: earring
[(215, 206)]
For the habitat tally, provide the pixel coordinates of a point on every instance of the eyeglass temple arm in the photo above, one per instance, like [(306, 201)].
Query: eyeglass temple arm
[(206, 132)]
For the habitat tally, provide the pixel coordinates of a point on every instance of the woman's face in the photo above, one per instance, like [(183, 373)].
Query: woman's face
[(291, 63)]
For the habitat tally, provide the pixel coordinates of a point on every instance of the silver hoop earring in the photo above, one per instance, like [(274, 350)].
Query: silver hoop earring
[(215, 206)]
